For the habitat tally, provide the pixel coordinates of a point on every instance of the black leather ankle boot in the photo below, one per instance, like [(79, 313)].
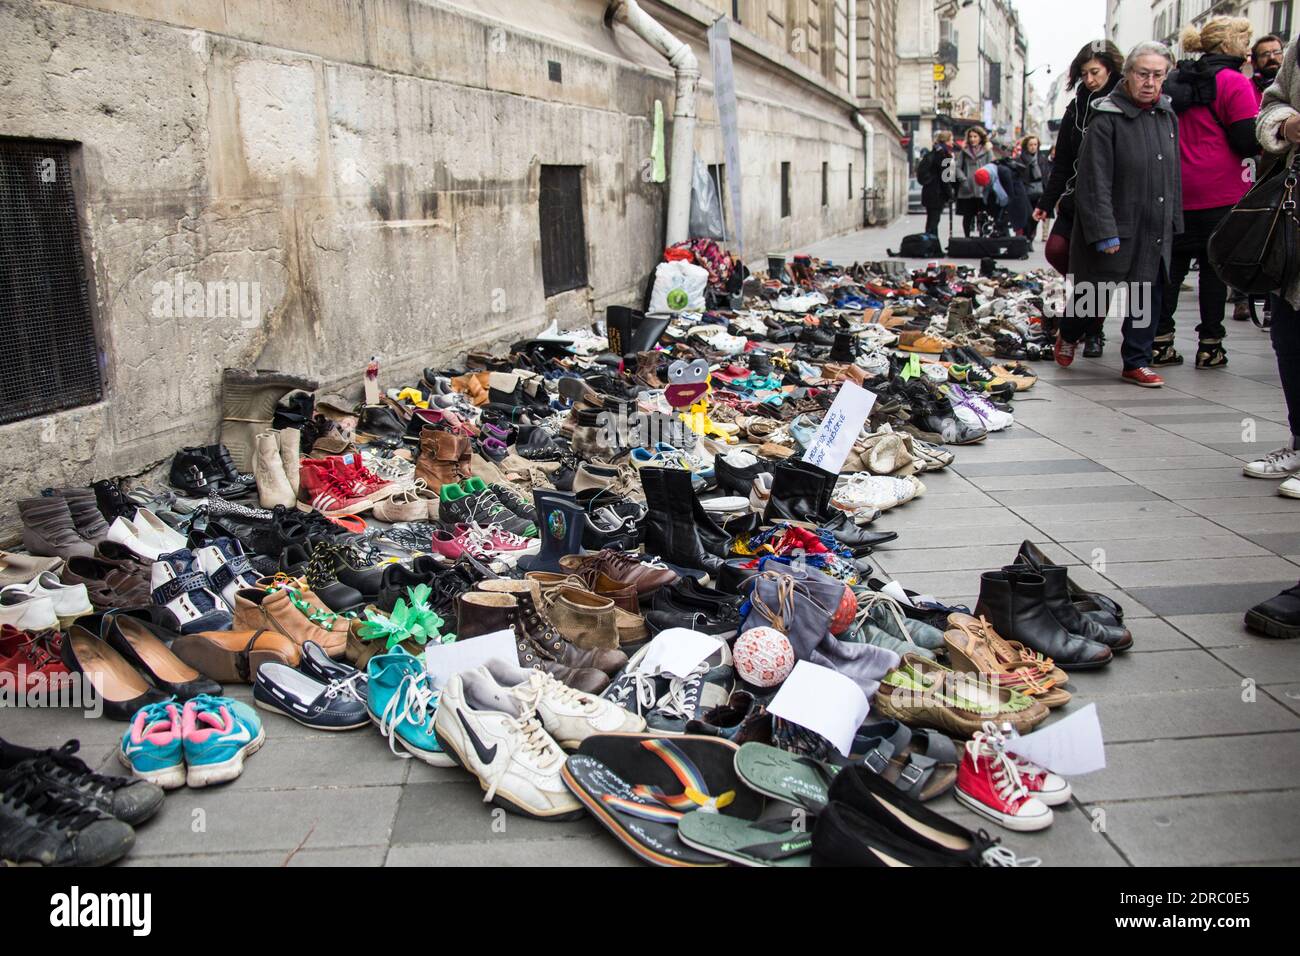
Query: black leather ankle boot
[(670, 526), (1015, 603), (1117, 638)]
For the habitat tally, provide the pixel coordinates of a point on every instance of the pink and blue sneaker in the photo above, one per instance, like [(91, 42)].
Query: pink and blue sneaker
[(218, 733), (152, 747)]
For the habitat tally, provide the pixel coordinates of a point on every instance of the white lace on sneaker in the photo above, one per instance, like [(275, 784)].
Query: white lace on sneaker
[(415, 702), (530, 739), (1279, 463)]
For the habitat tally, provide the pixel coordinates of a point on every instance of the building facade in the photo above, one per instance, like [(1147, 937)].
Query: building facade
[(1128, 22), (988, 88), (383, 178)]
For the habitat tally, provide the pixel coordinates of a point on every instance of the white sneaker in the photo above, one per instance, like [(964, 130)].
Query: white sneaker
[(1290, 488), (70, 601), (491, 733), (1276, 464), (976, 410), (865, 490), (569, 716), (726, 505), (28, 613), (874, 363)]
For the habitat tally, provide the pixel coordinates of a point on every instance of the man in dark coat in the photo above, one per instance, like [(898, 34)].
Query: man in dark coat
[(1128, 208), (937, 175)]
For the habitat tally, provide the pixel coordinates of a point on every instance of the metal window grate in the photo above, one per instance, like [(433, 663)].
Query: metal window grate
[(50, 358), (564, 243)]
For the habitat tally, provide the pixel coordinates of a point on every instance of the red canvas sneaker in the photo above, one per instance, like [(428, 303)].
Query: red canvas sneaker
[(989, 782), (30, 662), (1064, 351), (365, 483)]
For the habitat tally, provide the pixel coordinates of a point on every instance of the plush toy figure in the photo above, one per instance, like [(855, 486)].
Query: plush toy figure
[(688, 382)]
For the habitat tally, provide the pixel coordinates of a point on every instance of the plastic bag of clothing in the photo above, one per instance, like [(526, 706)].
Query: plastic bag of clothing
[(679, 287), (706, 205)]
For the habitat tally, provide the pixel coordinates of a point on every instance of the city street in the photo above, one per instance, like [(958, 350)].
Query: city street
[(1139, 491)]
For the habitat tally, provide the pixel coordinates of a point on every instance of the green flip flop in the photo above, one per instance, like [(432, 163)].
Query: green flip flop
[(781, 775), (747, 842)]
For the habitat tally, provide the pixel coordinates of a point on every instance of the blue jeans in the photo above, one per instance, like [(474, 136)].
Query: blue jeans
[(1285, 332)]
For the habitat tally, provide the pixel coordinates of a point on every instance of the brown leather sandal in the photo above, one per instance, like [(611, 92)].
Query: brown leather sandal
[(971, 647)]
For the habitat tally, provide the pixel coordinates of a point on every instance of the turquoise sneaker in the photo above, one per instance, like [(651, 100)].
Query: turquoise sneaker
[(219, 734), (402, 701), (152, 746)]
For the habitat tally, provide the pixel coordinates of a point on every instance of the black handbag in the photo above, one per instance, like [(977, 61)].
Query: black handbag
[(1256, 248)]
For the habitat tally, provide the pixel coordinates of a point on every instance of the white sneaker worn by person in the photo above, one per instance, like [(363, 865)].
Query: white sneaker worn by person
[(500, 740), (1290, 488), (1279, 463)]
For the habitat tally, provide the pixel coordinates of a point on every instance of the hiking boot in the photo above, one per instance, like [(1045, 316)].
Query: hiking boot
[(554, 642), (1211, 354), (439, 463)]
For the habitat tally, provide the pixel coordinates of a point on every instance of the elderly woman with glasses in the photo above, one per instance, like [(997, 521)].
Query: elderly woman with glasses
[(1128, 209)]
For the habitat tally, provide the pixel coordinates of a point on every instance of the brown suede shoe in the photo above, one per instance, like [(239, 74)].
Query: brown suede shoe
[(483, 612), (583, 619)]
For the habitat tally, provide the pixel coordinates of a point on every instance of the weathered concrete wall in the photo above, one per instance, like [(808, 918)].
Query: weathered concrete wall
[(367, 172)]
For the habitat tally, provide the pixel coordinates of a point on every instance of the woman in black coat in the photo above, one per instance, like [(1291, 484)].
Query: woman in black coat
[(1128, 206), (1095, 71)]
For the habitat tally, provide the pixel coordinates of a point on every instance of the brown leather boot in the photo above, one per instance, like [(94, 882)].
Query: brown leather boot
[(485, 612), (439, 461), (548, 638), (647, 370), (275, 611)]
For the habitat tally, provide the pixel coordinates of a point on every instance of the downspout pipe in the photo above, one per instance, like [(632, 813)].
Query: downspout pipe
[(687, 69), (869, 152)]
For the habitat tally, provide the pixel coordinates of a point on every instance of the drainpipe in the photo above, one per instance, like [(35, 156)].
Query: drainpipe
[(869, 149), (687, 68)]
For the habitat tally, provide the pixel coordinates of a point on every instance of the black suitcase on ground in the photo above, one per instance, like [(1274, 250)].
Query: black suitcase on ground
[(978, 247)]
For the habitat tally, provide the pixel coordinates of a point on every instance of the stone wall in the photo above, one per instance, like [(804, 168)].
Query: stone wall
[(367, 173)]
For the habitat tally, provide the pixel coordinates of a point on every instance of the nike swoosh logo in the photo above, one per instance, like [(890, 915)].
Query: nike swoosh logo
[(134, 749), (241, 736), (485, 754)]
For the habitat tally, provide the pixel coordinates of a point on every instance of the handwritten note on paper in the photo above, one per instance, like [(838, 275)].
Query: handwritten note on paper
[(1070, 746), (840, 428), (824, 701)]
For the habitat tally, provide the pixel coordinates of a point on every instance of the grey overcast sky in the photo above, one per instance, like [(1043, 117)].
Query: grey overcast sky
[(1055, 29)]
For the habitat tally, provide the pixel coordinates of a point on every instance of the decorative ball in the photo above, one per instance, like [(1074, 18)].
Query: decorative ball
[(763, 656), (982, 177), (845, 613)]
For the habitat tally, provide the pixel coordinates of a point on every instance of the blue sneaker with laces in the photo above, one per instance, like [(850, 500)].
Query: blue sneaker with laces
[(152, 747), (219, 734), (403, 703)]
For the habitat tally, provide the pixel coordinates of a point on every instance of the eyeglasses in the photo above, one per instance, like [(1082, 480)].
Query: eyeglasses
[(1145, 75), (1269, 55)]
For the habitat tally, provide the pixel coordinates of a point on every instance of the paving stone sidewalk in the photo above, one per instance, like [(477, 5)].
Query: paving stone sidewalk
[(1139, 491)]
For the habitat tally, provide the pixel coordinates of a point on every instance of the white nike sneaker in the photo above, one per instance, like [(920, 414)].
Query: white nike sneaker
[(1281, 463), (491, 733), (70, 601), (569, 716)]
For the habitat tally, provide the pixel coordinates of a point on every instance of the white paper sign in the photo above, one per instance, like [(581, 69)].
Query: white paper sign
[(1070, 746), (840, 428), (824, 701), (444, 660), (678, 651), (895, 591)]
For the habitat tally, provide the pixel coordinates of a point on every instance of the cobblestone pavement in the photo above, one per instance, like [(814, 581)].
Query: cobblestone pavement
[(1139, 491)]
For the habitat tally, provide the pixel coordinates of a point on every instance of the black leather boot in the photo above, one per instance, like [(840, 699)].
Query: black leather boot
[(800, 492), (1096, 606), (1015, 603), (1117, 638), (854, 537), (671, 531)]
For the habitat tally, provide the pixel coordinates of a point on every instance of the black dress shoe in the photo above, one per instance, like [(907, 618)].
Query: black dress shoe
[(854, 537), (117, 686), (1093, 346), (146, 646)]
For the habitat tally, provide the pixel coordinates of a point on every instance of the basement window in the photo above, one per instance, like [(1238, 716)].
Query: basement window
[(564, 243), (785, 190), (826, 184), (51, 357), (850, 182)]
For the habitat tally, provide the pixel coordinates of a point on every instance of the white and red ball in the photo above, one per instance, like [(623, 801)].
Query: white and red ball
[(763, 656)]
